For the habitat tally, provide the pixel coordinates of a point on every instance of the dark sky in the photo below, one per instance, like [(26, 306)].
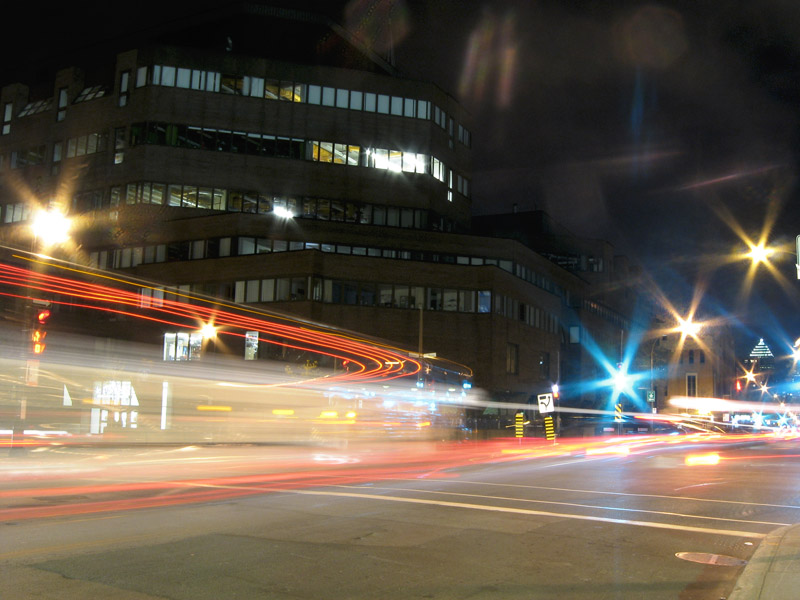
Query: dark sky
[(665, 128)]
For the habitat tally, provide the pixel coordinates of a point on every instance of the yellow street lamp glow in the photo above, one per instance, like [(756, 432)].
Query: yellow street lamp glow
[(51, 227), (208, 331), (760, 253), (688, 327)]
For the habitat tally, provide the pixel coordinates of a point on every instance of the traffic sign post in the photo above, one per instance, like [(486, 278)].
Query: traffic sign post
[(797, 255), (549, 429), (546, 407)]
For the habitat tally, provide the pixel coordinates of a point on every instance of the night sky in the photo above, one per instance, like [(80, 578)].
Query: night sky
[(669, 129)]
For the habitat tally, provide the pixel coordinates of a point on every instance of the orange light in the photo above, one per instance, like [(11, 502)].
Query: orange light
[(702, 459), (622, 450), (213, 408), (38, 341)]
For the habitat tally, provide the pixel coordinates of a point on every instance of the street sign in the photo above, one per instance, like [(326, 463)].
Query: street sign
[(545, 403), (651, 396), (618, 412), (797, 254)]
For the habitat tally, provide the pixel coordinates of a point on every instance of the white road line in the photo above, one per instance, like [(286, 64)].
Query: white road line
[(574, 504), (557, 489), (524, 511)]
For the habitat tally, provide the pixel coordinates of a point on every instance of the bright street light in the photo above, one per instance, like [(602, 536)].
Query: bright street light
[(283, 212), (208, 331), (760, 253), (50, 227), (688, 327)]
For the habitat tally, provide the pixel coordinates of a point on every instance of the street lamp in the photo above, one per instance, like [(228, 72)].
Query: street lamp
[(50, 227), (688, 328), (759, 253)]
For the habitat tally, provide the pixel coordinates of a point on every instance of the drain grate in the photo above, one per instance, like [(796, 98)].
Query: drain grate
[(711, 559)]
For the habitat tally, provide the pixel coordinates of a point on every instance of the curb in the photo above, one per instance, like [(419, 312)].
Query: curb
[(773, 572)]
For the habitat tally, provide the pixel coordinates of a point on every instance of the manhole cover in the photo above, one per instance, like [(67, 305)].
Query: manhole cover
[(711, 559)]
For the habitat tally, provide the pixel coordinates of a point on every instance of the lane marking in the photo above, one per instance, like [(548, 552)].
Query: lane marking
[(504, 509), (525, 511), (557, 489), (575, 504)]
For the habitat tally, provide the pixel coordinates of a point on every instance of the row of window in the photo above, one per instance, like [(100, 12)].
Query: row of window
[(262, 144), (82, 145), (700, 355), (511, 308), (290, 91), (192, 196), (228, 141), (243, 245), (260, 87), (295, 290), (123, 258), (38, 106), (385, 295), (18, 211)]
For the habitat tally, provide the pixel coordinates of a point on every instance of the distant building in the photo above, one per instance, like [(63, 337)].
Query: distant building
[(297, 170), (702, 366), (760, 359)]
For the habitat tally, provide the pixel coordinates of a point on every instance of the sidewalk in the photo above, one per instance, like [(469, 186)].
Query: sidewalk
[(773, 573)]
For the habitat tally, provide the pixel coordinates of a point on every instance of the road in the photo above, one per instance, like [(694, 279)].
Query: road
[(502, 519)]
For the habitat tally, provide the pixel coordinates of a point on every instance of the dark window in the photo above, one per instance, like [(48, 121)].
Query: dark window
[(224, 141), (253, 144), (297, 149), (239, 142), (194, 137), (212, 248), (268, 146), (230, 84), (284, 147), (209, 139), (156, 133), (137, 130)]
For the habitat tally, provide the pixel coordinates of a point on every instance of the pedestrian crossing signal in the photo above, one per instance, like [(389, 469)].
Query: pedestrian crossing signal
[(39, 333)]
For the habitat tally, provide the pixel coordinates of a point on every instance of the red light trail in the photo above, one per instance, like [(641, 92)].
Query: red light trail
[(371, 361)]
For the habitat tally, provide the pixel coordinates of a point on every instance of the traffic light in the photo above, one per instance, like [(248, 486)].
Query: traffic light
[(39, 332)]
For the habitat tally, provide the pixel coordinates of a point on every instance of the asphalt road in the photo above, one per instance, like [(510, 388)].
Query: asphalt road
[(446, 521)]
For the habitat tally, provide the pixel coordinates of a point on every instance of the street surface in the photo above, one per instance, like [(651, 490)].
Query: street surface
[(502, 519)]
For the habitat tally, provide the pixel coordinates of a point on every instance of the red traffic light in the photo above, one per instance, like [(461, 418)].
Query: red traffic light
[(42, 315)]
